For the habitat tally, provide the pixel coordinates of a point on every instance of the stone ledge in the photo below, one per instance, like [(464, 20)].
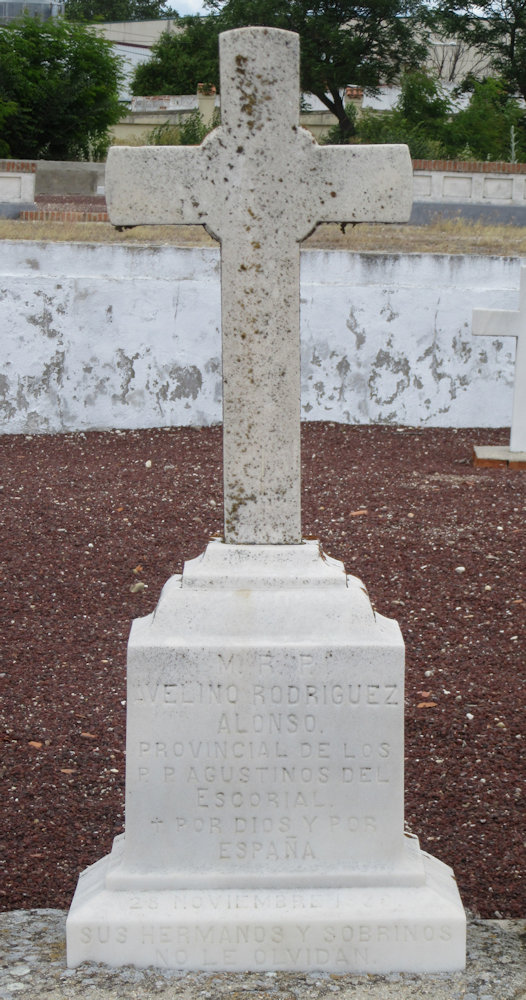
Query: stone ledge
[(34, 965), (498, 457)]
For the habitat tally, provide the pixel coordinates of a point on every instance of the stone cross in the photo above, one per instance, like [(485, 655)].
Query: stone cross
[(259, 184), (509, 323)]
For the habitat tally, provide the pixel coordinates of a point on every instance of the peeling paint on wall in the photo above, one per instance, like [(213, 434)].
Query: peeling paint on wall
[(118, 336)]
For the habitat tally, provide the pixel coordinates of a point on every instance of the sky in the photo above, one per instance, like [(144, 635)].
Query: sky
[(188, 7)]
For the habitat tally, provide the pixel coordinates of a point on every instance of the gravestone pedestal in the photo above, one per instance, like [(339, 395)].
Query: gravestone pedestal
[(264, 767), (264, 783)]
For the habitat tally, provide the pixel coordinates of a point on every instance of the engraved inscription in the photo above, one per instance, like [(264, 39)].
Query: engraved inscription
[(266, 936), (155, 691), (269, 945), (278, 769)]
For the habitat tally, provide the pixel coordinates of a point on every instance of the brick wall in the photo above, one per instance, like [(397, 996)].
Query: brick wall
[(471, 166), (18, 166)]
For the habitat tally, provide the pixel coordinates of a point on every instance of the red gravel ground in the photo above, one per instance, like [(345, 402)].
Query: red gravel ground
[(86, 518)]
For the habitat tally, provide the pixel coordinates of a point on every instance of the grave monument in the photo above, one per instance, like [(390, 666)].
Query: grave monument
[(264, 773), (507, 323)]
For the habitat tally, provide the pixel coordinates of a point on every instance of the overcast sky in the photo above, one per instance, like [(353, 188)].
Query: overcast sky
[(188, 7)]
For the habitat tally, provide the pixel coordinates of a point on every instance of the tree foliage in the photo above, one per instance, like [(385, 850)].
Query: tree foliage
[(7, 110), (180, 61), (117, 10), (483, 130), (495, 27), (433, 128), (342, 41), (191, 133), (420, 118), (59, 83)]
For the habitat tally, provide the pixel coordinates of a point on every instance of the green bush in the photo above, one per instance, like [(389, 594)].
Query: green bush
[(59, 83), (190, 133), (418, 119), (391, 126), (483, 130), (492, 127), (7, 110), (336, 136)]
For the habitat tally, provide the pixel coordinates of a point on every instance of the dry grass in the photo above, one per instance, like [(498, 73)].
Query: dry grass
[(447, 236)]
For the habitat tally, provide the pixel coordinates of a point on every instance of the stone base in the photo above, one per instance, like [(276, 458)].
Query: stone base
[(374, 930), (264, 784), (498, 457)]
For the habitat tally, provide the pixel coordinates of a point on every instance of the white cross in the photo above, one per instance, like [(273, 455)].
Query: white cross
[(260, 184), (508, 323)]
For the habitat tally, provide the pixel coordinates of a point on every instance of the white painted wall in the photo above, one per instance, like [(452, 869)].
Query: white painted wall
[(99, 336)]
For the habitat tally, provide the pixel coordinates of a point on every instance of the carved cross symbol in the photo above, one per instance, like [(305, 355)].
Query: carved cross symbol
[(507, 323), (260, 184)]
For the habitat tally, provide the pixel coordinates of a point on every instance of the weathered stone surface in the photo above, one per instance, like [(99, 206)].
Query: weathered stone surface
[(264, 781), (262, 730), (510, 323), (128, 336), (260, 184)]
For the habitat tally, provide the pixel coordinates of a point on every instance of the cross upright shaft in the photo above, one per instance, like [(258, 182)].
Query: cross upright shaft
[(260, 184)]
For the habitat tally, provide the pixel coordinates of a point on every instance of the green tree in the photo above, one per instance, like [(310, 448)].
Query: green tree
[(496, 28), (420, 118), (427, 121), (483, 130), (63, 80), (180, 61), (7, 109), (117, 10), (342, 41)]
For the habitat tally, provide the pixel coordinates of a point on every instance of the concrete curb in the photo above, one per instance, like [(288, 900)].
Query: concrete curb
[(33, 965)]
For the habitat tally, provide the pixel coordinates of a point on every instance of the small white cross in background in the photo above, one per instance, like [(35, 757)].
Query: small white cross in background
[(509, 323)]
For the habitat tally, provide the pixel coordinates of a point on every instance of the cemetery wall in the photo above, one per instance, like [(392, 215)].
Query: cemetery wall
[(101, 336), (469, 182), (17, 180), (435, 181)]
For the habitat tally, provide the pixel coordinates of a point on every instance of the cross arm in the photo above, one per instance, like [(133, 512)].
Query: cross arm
[(495, 323), (132, 198), (361, 183)]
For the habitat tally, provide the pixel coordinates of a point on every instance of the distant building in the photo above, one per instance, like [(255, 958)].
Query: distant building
[(132, 41), (11, 9)]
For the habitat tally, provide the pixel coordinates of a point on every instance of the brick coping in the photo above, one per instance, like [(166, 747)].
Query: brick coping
[(471, 166), (61, 215), (451, 166), (18, 166)]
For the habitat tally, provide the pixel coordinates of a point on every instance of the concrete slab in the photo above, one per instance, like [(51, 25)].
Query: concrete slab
[(14, 209), (498, 457)]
